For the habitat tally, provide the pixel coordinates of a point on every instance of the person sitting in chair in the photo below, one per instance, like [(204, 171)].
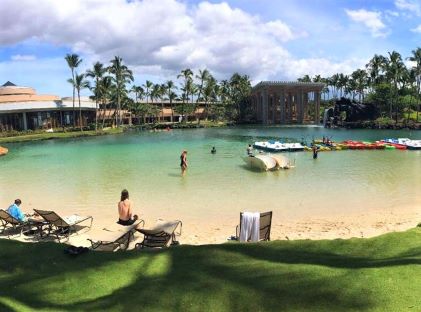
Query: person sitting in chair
[(15, 211), (125, 212)]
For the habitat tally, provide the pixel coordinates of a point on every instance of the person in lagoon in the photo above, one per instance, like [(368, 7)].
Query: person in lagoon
[(315, 151), (125, 211), (183, 162), (213, 151), (250, 150)]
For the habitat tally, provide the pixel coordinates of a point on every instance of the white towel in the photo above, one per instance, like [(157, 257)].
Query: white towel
[(250, 227)]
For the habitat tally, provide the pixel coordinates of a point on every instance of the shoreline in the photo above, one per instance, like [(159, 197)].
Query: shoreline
[(357, 225), (44, 136), (60, 134)]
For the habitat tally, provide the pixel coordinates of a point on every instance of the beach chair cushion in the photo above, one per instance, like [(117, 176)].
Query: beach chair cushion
[(160, 234)]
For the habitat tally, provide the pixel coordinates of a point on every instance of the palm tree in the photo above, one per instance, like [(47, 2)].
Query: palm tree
[(334, 83), (138, 92), (122, 76), (187, 76), (394, 72), (416, 58), (79, 83), (305, 78), (105, 89), (359, 77), (156, 94), (97, 74), (342, 82), (148, 87), (73, 61), (169, 87), (203, 76), (209, 91), (374, 68)]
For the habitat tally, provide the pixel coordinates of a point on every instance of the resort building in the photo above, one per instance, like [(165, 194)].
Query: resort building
[(164, 111), (22, 109), (280, 102)]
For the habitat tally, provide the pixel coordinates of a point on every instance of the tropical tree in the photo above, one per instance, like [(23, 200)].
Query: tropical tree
[(334, 83), (416, 59), (73, 61), (122, 76), (138, 92), (305, 78), (240, 90), (79, 83), (187, 88), (374, 69), (360, 82), (394, 69), (97, 74), (210, 90), (169, 88), (148, 85)]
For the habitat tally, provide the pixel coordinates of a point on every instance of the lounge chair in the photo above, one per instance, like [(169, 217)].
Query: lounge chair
[(10, 222), (115, 237), (161, 235), (62, 226), (265, 226)]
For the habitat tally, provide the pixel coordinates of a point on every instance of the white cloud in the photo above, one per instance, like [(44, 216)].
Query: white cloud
[(19, 57), (408, 5), (159, 38), (417, 29), (371, 19)]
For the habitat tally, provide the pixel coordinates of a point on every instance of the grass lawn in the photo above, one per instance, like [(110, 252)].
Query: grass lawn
[(57, 135), (377, 274)]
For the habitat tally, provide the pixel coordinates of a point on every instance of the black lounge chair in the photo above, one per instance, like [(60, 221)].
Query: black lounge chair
[(62, 226), (265, 226), (161, 235), (115, 237), (9, 222)]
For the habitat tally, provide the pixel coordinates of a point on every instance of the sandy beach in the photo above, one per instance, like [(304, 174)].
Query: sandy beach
[(363, 225)]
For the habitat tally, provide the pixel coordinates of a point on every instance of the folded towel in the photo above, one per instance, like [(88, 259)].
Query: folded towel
[(250, 227), (72, 219)]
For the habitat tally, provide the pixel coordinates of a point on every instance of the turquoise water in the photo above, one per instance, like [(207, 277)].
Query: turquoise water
[(86, 175)]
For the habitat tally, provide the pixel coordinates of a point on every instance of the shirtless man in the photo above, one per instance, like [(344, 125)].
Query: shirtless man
[(125, 213)]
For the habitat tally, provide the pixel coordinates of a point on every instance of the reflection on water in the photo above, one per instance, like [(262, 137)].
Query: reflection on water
[(87, 175)]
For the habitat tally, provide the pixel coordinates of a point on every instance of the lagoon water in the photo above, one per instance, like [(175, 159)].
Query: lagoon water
[(86, 176)]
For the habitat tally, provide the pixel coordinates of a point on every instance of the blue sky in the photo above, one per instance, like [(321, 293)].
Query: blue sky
[(266, 39)]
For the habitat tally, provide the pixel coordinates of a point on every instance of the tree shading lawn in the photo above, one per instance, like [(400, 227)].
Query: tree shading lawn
[(377, 274)]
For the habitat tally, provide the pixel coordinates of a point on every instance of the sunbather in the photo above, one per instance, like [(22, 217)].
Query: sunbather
[(125, 212)]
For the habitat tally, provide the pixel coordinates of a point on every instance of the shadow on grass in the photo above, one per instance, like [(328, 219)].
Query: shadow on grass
[(300, 275)]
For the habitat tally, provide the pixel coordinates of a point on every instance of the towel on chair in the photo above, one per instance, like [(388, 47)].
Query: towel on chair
[(250, 227)]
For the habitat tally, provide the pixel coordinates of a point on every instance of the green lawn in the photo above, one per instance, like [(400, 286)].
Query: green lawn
[(377, 274), (57, 135)]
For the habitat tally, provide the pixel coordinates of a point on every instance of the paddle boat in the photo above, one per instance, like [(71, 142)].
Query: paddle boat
[(408, 143), (395, 143), (3, 151), (276, 146), (260, 162), (267, 162)]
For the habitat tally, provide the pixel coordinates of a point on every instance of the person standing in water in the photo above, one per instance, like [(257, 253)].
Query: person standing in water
[(213, 151), (183, 162), (250, 150), (315, 151)]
